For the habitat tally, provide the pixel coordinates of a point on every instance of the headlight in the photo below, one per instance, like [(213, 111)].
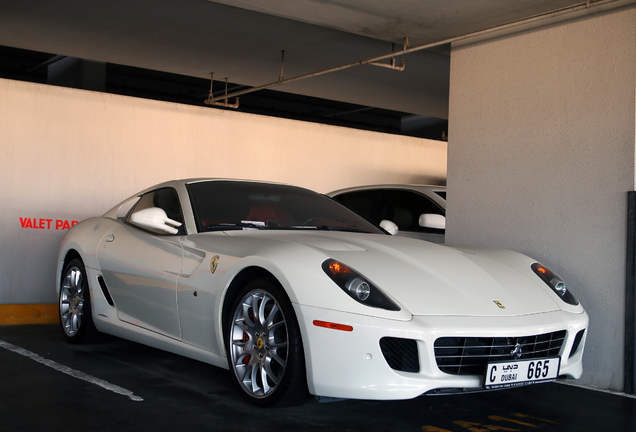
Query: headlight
[(358, 288), (556, 283)]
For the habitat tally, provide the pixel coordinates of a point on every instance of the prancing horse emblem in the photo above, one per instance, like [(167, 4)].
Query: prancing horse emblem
[(500, 304), (214, 263), (516, 352)]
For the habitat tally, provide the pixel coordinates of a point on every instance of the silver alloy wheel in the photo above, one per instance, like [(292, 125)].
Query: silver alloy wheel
[(72, 301), (259, 343)]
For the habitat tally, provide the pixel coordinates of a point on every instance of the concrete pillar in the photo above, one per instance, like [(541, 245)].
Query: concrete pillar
[(541, 157)]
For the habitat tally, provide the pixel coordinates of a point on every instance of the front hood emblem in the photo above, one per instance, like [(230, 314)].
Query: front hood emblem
[(516, 352)]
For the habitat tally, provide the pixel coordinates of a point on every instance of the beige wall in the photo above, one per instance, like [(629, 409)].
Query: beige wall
[(541, 156), (68, 154)]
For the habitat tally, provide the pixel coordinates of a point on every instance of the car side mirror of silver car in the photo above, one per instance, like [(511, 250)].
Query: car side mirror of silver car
[(389, 227), (155, 218), (430, 220)]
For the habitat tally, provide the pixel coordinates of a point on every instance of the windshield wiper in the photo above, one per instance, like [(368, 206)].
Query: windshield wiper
[(235, 226), (252, 225), (335, 228)]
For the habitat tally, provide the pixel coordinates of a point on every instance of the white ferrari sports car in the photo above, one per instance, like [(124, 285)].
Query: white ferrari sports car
[(298, 295)]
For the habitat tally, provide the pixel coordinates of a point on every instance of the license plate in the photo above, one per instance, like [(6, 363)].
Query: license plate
[(514, 373)]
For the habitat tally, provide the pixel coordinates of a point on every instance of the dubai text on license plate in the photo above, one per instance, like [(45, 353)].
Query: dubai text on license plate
[(515, 373)]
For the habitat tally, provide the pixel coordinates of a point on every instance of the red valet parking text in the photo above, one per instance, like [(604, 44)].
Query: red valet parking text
[(47, 224)]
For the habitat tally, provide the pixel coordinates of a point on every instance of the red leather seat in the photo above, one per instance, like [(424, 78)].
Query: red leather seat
[(264, 212)]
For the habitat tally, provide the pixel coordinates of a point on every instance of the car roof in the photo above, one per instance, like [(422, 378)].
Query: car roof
[(415, 187), (187, 181)]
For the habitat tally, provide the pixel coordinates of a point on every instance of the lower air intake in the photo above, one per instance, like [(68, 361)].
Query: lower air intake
[(400, 354)]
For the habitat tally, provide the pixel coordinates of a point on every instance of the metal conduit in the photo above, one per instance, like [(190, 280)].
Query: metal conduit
[(408, 50)]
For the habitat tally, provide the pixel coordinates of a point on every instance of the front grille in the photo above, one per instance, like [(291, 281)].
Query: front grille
[(400, 354), (469, 356)]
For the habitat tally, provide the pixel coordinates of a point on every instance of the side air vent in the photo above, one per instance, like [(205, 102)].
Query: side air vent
[(104, 288), (577, 342)]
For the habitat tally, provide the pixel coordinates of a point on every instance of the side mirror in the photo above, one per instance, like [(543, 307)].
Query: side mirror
[(430, 220), (155, 218), (389, 227)]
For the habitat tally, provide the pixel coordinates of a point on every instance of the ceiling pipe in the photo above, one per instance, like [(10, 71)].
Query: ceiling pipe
[(391, 65), (581, 7), (211, 100), (282, 80)]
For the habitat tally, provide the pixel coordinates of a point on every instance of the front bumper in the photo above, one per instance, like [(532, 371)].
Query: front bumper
[(350, 364)]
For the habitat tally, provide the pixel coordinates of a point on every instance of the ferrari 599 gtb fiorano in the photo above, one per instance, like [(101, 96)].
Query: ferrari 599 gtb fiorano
[(295, 294)]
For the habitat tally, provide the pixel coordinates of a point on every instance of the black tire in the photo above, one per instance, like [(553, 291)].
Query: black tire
[(265, 353), (76, 319)]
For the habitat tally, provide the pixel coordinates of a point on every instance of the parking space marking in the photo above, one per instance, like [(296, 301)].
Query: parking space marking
[(480, 427), (69, 371)]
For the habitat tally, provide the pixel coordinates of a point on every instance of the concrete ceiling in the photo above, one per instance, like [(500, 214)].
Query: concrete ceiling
[(243, 40)]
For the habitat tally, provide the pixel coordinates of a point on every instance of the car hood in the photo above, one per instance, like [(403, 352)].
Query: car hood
[(432, 279)]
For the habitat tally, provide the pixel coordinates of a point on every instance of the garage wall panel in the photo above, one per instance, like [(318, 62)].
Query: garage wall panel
[(541, 157), (68, 154)]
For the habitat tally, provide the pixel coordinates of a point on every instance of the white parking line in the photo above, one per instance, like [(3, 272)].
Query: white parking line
[(72, 372)]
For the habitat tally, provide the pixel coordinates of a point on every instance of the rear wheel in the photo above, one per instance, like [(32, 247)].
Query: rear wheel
[(264, 346), (75, 305)]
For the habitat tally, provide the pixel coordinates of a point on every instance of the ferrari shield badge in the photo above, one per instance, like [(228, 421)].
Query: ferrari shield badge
[(497, 302), (214, 263)]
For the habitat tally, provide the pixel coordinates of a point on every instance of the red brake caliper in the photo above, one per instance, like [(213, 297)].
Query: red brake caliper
[(246, 337)]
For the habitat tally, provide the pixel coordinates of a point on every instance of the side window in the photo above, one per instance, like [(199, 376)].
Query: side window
[(405, 207), (360, 202), (165, 199), (124, 209)]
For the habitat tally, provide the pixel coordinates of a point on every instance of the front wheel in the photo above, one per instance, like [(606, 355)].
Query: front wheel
[(264, 346), (75, 304)]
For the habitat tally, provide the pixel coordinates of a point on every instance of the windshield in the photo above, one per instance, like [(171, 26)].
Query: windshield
[(223, 205)]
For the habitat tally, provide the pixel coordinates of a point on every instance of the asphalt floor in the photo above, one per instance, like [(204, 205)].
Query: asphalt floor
[(117, 385)]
